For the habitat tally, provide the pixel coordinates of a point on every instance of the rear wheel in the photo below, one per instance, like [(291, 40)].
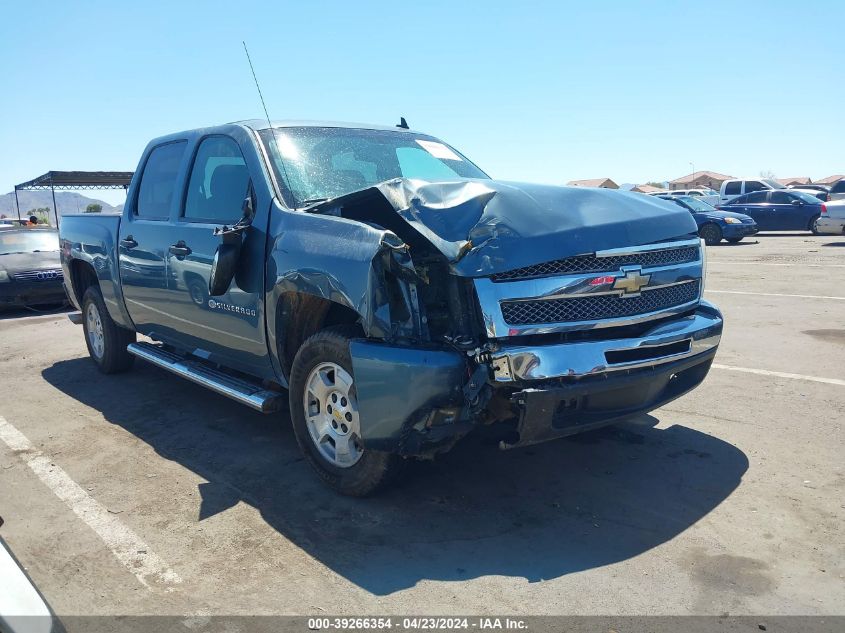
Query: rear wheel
[(105, 339), (326, 421), (812, 225), (711, 234)]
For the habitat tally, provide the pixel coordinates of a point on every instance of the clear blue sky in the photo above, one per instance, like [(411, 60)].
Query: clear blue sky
[(536, 91)]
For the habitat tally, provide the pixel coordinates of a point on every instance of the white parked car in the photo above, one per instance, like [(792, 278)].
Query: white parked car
[(706, 194), (731, 189), (832, 219)]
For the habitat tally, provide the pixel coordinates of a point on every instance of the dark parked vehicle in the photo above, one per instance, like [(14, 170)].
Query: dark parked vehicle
[(30, 270), (780, 210), (715, 225), (837, 191), (401, 296)]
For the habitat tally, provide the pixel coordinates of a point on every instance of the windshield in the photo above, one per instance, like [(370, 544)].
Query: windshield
[(28, 241), (774, 184), (697, 204), (325, 162)]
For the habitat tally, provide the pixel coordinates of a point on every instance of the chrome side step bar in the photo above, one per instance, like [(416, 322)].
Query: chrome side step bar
[(251, 394)]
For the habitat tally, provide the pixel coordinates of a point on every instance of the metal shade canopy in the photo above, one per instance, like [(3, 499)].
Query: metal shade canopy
[(73, 181)]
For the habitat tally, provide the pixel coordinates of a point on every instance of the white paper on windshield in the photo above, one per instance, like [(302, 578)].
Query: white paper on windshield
[(438, 150)]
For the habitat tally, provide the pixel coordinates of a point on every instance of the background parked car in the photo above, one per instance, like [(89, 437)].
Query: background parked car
[(811, 187), (30, 270), (731, 189), (837, 191), (710, 196), (819, 191), (713, 224), (832, 219), (782, 210)]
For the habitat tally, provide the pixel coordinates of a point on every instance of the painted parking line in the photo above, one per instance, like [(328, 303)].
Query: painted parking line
[(780, 374), (772, 294), (126, 546)]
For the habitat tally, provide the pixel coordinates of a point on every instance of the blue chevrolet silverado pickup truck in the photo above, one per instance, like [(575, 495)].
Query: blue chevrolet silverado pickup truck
[(401, 296)]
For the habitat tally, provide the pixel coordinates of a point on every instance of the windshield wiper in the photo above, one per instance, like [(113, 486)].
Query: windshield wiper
[(311, 201)]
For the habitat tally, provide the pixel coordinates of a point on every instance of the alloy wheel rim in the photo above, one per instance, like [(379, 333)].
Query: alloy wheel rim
[(331, 415), (94, 328)]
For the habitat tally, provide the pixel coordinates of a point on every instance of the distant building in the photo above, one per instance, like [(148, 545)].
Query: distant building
[(700, 179), (830, 179), (604, 183), (647, 189), (799, 180)]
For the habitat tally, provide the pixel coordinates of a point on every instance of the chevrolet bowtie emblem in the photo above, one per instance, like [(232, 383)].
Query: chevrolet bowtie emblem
[(631, 282)]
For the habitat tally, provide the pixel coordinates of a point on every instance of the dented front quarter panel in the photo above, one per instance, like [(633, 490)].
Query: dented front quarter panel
[(332, 258)]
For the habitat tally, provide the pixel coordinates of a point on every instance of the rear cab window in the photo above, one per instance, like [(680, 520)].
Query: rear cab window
[(733, 188), (158, 181)]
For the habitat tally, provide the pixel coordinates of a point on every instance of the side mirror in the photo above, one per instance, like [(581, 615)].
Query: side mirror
[(797, 203), (225, 263), (223, 268)]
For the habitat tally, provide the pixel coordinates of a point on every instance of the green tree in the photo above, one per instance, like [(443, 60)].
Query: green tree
[(93, 208)]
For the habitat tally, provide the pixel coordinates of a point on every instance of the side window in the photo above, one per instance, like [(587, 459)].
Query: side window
[(757, 197), (219, 181), (780, 197), (839, 187), (694, 193), (753, 185), (733, 188), (158, 182)]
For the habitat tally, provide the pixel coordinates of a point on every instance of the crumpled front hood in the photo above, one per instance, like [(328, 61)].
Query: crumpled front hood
[(486, 227)]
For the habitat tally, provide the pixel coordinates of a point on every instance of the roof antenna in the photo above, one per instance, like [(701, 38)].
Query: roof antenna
[(403, 123), (270, 125)]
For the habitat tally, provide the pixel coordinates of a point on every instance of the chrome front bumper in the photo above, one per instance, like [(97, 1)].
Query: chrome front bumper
[(670, 341)]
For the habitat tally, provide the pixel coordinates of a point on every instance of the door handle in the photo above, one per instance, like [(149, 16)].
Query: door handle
[(128, 242), (180, 249)]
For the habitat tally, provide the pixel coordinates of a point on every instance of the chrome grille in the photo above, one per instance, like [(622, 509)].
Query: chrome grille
[(593, 264), (39, 275), (598, 307)]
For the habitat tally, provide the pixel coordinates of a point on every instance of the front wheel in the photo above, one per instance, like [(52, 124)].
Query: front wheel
[(105, 339), (326, 421), (711, 234)]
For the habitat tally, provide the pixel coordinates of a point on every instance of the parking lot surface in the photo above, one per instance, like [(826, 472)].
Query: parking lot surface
[(144, 494)]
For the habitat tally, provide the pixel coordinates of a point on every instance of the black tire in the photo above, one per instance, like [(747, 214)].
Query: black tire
[(198, 291), (711, 234), (734, 240), (812, 225), (114, 358), (374, 470)]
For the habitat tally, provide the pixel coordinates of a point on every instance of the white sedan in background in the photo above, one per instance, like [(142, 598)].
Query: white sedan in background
[(832, 218)]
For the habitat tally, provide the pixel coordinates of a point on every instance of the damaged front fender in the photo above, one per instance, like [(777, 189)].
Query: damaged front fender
[(349, 263)]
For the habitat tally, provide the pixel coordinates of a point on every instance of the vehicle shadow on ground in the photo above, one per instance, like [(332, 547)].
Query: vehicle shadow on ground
[(834, 244), (19, 313), (537, 513)]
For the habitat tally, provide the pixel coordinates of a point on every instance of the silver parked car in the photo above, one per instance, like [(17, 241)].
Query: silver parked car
[(837, 191), (832, 218)]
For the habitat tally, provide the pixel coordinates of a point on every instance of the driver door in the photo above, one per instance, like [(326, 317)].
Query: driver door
[(229, 328)]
